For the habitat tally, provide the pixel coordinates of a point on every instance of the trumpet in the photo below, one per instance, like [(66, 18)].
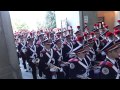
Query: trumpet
[(54, 68)]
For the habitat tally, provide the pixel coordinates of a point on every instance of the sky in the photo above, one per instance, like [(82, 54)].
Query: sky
[(29, 17)]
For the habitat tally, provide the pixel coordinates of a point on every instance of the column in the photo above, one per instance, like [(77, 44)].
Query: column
[(92, 18), (117, 17), (9, 63)]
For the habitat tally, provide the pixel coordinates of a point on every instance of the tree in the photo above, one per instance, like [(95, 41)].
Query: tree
[(21, 26), (18, 25), (40, 25), (50, 19)]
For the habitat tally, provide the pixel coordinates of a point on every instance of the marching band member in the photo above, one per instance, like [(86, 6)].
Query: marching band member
[(117, 34), (78, 42), (97, 45), (91, 51), (68, 50), (102, 33), (109, 67), (58, 47), (67, 47), (92, 57), (52, 38), (78, 28), (86, 36), (59, 56), (71, 31), (79, 67), (118, 26), (110, 36), (86, 29), (48, 62), (77, 33), (92, 34), (18, 52), (22, 51), (31, 57)]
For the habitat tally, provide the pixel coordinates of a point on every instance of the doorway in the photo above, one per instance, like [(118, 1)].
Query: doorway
[(109, 18)]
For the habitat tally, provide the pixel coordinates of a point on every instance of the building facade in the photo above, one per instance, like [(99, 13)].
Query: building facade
[(76, 18)]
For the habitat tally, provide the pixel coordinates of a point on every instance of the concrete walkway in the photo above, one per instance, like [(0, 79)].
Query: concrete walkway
[(25, 75)]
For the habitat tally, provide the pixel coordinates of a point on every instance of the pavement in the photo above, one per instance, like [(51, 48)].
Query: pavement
[(25, 75), (28, 75)]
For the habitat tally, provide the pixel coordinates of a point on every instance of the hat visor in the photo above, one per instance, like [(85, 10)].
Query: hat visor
[(48, 43), (81, 51)]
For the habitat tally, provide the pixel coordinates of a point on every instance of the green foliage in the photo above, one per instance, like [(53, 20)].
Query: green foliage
[(41, 25), (50, 19), (22, 26), (18, 25)]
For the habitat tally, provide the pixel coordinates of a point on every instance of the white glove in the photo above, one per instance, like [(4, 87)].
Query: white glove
[(61, 70), (54, 69), (54, 76), (62, 65), (33, 60), (103, 53)]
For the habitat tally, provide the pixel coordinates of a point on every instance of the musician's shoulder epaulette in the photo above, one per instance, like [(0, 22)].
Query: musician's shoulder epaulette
[(106, 63)]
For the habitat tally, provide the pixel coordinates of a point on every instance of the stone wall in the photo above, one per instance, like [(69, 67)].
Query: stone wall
[(109, 17), (92, 18), (9, 64)]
